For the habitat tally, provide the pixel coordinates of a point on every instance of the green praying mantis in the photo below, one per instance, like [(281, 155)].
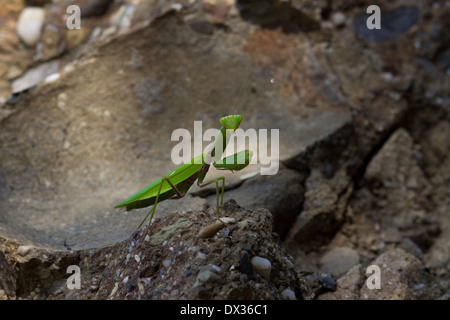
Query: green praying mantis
[(177, 183)]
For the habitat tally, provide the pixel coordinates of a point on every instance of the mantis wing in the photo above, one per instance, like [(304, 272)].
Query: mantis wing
[(235, 162), (176, 176)]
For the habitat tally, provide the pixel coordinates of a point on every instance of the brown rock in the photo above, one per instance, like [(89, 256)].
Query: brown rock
[(400, 271), (347, 287), (339, 260)]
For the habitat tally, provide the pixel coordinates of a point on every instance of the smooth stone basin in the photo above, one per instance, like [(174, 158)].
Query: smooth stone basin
[(76, 147)]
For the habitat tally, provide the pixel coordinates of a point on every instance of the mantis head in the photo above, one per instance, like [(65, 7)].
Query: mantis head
[(231, 122)]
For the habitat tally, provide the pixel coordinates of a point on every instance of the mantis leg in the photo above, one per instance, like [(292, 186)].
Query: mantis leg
[(216, 180), (152, 210)]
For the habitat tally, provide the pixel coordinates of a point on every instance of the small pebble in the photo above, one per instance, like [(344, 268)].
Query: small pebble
[(51, 78), (24, 250), (262, 266), (141, 288), (215, 268), (167, 263), (201, 255), (227, 220), (289, 263), (114, 290), (177, 6), (338, 19), (58, 291), (29, 25), (288, 294), (136, 257), (339, 261), (207, 276)]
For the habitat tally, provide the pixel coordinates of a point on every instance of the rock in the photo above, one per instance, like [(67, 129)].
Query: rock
[(74, 37), (401, 190), (410, 247), (24, 250), (245, 265), (323, 209), (3, 295), (148, 93), (395, 163), (122, 17), (262, 266), (207, 276), (51, 42), (35, 76), (3, 69), (315, 284), (94, 7), (392, 24), (402, 275), (288, 294), (272, 14), (203, 27), (8, 278), (222, 274), (338, 18), (434, 145), (339, 261), (160, 236), (347, 287), (29, 25), (14, 71), (38, 3)]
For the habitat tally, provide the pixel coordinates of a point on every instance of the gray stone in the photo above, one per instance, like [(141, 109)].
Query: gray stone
[(288, 294), (392, 24), (24, 250), (339, 261), (323, 209), (207, 276), (29, 25), (397, 269), (347, 287), (261, 266)]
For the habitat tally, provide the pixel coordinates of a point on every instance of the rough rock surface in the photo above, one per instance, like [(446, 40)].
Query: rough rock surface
[(171, 262), (402, 277)]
